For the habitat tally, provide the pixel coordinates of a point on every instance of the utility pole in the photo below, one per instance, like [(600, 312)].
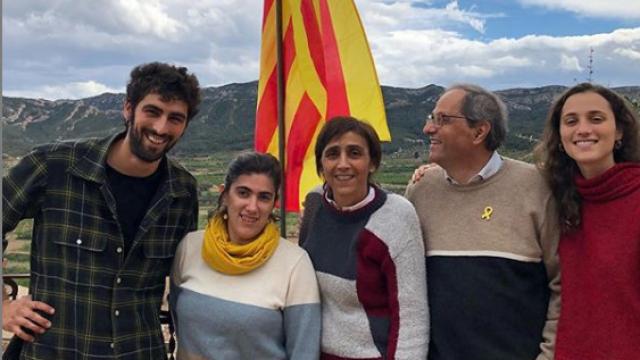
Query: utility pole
[(590, 78)]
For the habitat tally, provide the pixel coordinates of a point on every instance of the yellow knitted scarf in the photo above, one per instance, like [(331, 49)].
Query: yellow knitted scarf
[(232, 259)]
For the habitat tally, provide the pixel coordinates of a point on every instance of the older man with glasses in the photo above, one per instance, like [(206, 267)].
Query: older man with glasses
[(490, 237)]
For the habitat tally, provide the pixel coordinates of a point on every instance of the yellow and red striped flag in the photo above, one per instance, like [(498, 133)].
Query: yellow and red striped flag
[(328, 71)]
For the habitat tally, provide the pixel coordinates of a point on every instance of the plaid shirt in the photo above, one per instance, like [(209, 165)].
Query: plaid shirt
[(107, 305)]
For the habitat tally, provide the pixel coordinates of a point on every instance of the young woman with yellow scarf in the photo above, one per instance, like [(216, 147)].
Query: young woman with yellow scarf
[(238, 290)]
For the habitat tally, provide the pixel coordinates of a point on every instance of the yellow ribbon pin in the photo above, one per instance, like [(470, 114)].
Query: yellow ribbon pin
[(486, 215)]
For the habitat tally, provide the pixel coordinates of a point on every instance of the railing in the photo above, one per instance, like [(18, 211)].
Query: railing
[(165, 315), (166, 319), (10, 280)]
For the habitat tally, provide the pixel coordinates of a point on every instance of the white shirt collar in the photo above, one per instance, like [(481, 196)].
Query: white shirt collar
[(490, 168), (367, 199)]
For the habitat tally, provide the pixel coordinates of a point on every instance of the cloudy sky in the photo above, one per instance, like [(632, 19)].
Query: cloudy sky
[(56, 49)]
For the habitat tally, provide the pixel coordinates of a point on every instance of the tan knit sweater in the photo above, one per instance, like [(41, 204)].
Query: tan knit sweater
[(504, 223)]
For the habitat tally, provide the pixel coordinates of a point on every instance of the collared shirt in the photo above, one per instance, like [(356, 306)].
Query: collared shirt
[(107, 304), (367, 199), (490, 168)]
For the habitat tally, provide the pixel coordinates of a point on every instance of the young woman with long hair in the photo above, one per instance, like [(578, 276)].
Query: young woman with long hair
[(590, 155)]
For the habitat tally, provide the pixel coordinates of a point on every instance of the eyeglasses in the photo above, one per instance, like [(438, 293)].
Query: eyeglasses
[(442, 119)]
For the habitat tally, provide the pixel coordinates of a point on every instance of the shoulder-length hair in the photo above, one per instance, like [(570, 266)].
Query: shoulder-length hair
[(560, 170)]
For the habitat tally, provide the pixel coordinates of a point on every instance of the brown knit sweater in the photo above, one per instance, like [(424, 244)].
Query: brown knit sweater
[(493, 276)]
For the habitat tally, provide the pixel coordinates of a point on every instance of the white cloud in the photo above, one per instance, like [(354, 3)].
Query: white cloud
[(453, 11), (593, 8), (473, 71), (415, 58), (509, 61), (51, 42), (74, 90), (65, 41), (570, 63), (385, 15), (416, 45), (628, 53), (118, 18), (148, 17)]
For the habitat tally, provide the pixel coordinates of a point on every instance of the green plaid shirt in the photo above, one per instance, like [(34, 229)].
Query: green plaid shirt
[(106, 304)]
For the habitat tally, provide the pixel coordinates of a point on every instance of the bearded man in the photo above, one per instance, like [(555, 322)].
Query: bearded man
[(108, 216)]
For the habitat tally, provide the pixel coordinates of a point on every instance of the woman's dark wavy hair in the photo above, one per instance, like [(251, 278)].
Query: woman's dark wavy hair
[(560, 170), (248, 163)]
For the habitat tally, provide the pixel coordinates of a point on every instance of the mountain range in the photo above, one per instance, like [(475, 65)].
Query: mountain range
[(227, 116)]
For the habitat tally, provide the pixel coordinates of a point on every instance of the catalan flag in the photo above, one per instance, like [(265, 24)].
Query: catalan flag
[(328, 71)]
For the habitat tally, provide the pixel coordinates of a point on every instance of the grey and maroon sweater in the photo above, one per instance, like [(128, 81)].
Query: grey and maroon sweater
[(370, 267)]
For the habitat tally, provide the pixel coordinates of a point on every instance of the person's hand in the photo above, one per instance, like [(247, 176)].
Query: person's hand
[(20, 314), (419, 172)]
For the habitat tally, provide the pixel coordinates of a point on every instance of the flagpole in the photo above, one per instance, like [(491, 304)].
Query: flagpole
[(281, 126)]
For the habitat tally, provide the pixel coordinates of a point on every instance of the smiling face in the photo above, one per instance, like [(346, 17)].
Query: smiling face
[(155, 126), (452, 141), (588, 132), (249, 203), (346, 165)]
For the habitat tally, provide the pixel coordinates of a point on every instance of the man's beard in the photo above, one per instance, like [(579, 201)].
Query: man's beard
[(136, 143)]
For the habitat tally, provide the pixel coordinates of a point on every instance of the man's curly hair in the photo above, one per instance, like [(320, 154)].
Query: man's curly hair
[(168, 81)]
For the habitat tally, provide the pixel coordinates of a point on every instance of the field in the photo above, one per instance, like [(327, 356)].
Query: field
[(393, 175)]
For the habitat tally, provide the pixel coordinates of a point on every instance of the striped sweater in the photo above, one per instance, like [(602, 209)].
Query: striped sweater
[(492, 264), (371, 273), (272, 312)]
